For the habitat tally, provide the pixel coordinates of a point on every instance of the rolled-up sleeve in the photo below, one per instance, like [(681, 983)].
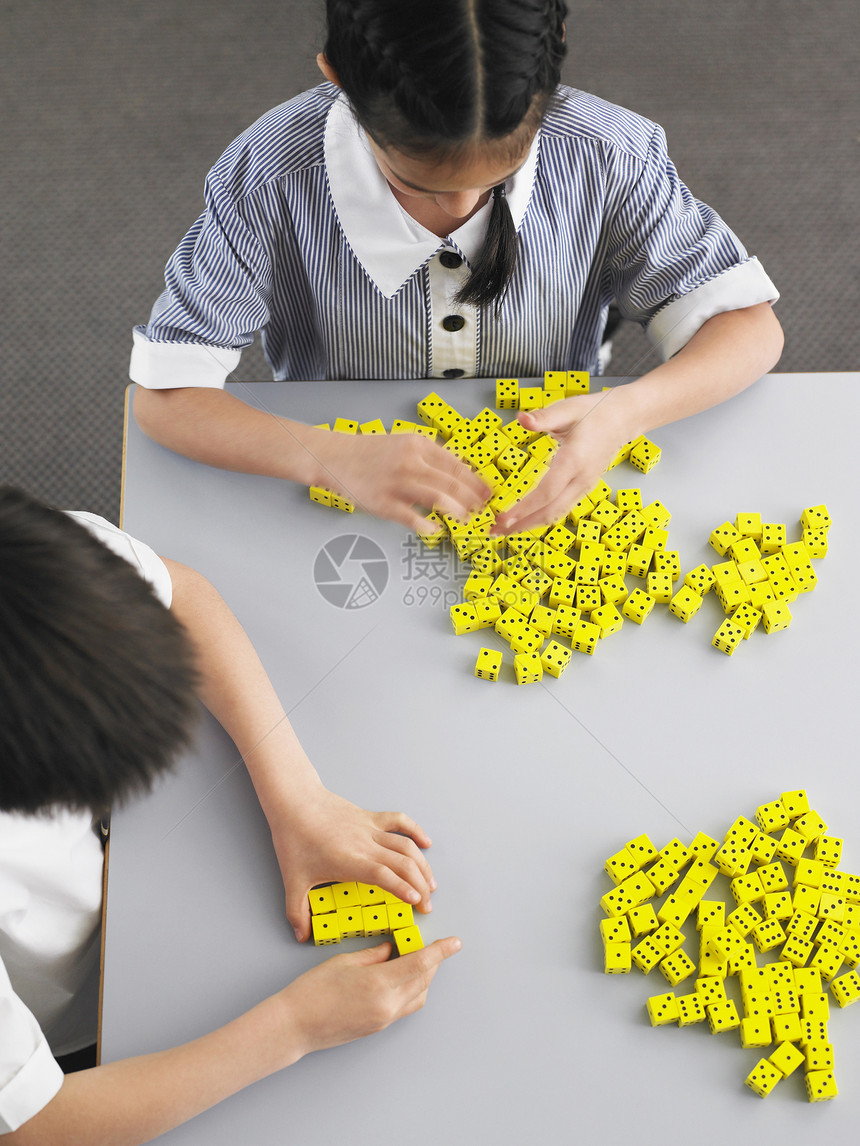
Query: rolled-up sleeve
[(29, 1074), (217, 296), (672, 261)]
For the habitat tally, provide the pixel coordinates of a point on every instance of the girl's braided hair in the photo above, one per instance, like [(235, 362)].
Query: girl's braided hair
[(440, 77)]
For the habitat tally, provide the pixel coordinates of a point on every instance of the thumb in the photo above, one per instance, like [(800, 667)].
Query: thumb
[(367, 956), (552, 418), (299, 914)]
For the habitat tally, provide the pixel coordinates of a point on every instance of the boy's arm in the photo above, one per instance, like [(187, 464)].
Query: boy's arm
[(317, 835), (134, 1100), (728, 353), (385, 475)]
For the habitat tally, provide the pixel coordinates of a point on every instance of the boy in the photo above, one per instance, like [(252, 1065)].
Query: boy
[(98, 684)]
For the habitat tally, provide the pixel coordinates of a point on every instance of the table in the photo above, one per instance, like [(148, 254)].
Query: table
[(525, 791)]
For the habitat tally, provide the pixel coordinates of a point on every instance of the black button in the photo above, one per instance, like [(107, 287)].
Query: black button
[(450, 260), (453, 373), (453, 322)]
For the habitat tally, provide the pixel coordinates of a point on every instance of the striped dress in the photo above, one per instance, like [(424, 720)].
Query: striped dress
[(302, 241)]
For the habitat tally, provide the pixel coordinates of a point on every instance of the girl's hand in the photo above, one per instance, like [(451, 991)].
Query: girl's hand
[(390, 475), (590, 429), (320, 837), (358, 993)]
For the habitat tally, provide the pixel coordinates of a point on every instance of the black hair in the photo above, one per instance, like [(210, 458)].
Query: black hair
[(96, 677), (437, 77)]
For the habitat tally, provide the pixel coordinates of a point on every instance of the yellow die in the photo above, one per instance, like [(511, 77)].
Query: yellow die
[(662, 1009), (346, 894), (507, 393), (628, 499), (608, 619), (370, 894), (685, 604), (659, 586), (321, 900), (375, 919), (727, 637), (585, 636), (555, 659), (616, 958), (638, 606), (408, 939), (763, 1078), (325, 929), (488, 664), (749, 525), (577, 382), (399, 915), (351, 922), (528, 668)]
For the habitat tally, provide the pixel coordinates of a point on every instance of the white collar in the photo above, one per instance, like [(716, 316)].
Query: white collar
[(388, 242)]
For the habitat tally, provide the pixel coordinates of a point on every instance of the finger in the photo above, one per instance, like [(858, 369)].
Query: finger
[(400, 822), (403, 511), (441, 491), (405, 867), (413, 519), (449, 493), (436, 457), (448, 462), (407, 847), (412, 974), (550, 501), (422, 965), (533, 507), (368, 956), (383, 873), (547, 514), (558, 417), (541, 513), (450, 465)]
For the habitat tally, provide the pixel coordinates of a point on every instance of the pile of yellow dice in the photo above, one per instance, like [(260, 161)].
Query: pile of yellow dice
[(762, 574), (525, 585), (547, 605), (804, 916)]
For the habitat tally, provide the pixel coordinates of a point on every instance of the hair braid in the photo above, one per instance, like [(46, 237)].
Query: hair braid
[(442, 77)]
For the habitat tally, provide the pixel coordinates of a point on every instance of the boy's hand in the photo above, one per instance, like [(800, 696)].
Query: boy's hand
[(390, 475), (358, 993), (590, 429), (322, 837)]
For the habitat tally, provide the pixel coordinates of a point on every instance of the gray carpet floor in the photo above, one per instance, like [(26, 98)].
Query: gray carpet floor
[(112, 113)]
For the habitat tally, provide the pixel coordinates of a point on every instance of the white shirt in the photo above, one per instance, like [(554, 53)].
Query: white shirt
[(50, 913)]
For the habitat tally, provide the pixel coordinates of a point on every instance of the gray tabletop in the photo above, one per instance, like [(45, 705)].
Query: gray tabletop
[(525, 791)]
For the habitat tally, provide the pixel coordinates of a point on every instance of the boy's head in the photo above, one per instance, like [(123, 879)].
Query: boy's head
[(96, 676)]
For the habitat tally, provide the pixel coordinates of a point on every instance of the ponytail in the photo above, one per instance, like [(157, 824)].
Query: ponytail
[(494, 267)]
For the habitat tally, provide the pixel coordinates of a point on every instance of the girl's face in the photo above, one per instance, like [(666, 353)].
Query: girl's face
[(451, 192), (457, 190)]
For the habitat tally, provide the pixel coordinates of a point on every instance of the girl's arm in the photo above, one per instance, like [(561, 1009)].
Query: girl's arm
[(727, 354), (386, 475), (136, 1099), (317, 835)]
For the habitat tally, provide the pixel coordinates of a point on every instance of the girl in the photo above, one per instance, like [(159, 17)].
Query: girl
[(442, 207)]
